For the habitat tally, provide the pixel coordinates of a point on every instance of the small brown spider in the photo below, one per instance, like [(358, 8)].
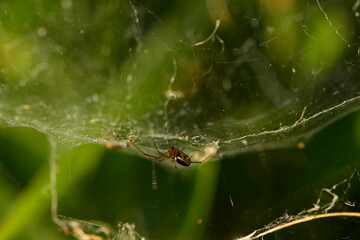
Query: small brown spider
[(175, 156)]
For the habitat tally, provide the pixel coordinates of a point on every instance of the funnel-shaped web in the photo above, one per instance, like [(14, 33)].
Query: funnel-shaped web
[(248, 75)]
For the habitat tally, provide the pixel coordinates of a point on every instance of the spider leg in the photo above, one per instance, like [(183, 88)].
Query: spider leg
[(159, 159), (204, 160), (150, 157), (166, 154), (174, 161)]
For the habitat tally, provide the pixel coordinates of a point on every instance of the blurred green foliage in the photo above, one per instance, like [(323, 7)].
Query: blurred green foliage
[(77, 73)]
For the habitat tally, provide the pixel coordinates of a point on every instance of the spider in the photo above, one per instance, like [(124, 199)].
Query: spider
[(175, 156)]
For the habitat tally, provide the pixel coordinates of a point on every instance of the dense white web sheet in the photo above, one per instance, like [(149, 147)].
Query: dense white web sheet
[(189, 85)]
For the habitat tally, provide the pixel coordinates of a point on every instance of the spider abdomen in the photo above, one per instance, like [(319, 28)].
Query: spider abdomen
[(179, 156)]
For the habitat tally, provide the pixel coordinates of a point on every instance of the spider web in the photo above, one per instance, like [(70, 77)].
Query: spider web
[(328, 199), (131, 73), (213, 76)]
